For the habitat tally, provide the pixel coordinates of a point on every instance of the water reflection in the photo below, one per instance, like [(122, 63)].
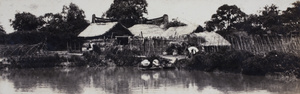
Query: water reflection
[(129, 80)]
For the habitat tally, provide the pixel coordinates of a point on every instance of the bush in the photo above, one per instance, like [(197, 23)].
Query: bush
[(35, 61), (253, 66), (228, 61), (204, 61), (274, 63), (92, 59), (232, 60), (123, 56)]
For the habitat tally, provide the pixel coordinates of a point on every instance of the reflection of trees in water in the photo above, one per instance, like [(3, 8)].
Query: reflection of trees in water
[(29, 79), (236, 82), (125, 79)]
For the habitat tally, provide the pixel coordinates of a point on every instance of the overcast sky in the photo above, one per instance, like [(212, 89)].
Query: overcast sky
[(190, 11)]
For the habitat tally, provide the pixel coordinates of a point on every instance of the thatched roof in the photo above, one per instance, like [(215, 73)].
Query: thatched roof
[(212, 39), (109, 29), (97, 29), (147, 30), (179, 31)]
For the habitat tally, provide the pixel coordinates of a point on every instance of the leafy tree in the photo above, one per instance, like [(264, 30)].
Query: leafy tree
[(209, 26), (26, 21), (225, 19), (291, 18), (70, 21), (64, 26), (75, 18), (270, 19), (127, 10), (54, 23), (252, 25)]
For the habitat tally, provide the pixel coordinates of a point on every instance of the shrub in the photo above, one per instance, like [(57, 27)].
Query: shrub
[(123, 56), (92, 59), (273, 63), (35, 61), (232, 60), (253, 66), (204, 61), (228, 61)]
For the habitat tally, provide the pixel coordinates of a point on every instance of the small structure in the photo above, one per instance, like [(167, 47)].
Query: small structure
[(105, 30), (99, 33), (211, 41)]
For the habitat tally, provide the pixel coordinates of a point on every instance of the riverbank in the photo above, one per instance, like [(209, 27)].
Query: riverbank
[(273, 63), (231, 61)]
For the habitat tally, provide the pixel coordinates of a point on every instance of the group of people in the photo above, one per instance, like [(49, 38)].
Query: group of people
[(183, 49)]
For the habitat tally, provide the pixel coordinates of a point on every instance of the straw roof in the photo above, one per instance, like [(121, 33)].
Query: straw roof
[(148, 30), (212, 39), (179, 31), (97, 29)]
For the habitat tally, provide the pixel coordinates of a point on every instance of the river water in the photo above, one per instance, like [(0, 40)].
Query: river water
[(130, 80)]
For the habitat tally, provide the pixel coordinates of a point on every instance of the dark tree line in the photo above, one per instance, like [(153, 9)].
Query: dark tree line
[(271, 21), (54, 29)]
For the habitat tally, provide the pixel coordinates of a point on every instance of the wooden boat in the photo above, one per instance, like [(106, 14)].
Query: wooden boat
[(163, 64)]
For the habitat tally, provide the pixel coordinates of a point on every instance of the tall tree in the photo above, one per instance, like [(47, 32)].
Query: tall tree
[(70, 21), (291, 18), (225, 19), (26, 21), (270, 18), (127, 9), (64, 26), (252, 25), (75, 18), (54, 23)]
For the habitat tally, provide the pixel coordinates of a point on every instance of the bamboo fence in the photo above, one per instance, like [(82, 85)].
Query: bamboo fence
[(265, 44)]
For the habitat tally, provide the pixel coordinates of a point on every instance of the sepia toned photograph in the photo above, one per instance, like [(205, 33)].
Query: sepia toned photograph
[(149, 46)]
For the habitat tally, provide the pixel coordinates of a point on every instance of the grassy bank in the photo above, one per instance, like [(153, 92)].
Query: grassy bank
[(43, 61), (20, 57), (273, 63), (234, 61)]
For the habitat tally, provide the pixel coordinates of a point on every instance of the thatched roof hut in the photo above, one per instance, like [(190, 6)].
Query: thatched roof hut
[(179, 31), (105, 30), (211, 39), (146, 30)]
